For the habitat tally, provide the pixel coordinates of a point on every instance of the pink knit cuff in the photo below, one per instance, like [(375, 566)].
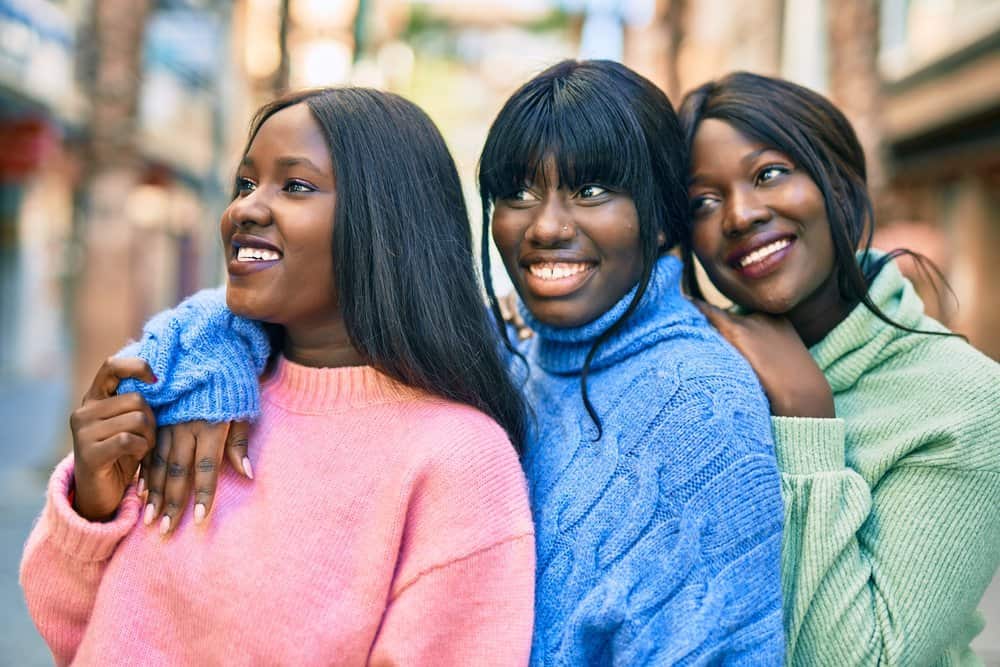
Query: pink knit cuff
[(75, 536)]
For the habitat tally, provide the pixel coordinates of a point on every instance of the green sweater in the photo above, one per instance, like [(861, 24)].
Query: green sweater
[(892, 510)]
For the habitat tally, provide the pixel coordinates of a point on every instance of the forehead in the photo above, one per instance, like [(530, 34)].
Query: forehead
[(291, 131)]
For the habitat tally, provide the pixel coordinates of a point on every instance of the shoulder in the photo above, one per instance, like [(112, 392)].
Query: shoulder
[(449, 440), (938, 393)]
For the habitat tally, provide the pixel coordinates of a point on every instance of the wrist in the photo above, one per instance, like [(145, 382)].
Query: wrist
[(83, 506)]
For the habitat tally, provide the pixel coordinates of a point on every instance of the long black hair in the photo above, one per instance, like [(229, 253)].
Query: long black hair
[(599, 122), (819, 139), (402, 251)]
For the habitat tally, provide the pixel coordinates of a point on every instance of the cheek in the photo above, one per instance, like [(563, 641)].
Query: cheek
[(506, 237)]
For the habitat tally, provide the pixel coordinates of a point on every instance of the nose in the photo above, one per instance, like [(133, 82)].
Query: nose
[(251, 208), (744, 210), (553, 224)]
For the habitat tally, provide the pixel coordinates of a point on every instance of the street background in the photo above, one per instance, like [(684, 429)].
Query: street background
[(121, 122)]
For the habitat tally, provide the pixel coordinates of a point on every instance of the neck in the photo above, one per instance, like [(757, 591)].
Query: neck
[(820, 313), (326, 345)]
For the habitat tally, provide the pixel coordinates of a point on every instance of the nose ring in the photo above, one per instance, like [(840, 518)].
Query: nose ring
[(565, 228)]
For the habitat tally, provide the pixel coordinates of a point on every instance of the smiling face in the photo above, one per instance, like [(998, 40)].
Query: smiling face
[(571, 254), (278, 231), (759, 227)]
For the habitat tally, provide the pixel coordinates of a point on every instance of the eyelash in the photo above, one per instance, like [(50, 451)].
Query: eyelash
[(244, 185), (780, 169)]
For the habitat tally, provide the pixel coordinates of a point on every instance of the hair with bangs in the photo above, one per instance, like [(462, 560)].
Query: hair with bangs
[(600, 122), (819, 139), (403, 262)]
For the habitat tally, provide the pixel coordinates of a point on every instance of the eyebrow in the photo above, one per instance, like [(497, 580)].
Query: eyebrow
[(745, 160), (287, 161)]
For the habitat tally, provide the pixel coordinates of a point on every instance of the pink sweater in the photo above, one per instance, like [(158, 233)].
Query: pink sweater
[(384, 527)]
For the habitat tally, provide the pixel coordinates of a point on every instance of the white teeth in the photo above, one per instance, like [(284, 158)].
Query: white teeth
[(246, 254), (768, 250), (557, 270)]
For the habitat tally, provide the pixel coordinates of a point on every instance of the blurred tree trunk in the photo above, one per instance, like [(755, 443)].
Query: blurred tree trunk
[(283, 75), (104, 305), (855, 82)]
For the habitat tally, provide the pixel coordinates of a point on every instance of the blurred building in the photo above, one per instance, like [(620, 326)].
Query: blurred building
[(918, 78)]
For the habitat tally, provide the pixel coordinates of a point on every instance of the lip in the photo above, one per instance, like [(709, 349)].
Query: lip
[(551, 288), (238, 268), (765, 266)]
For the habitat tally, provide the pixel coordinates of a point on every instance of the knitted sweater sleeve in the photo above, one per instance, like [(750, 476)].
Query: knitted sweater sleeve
[(206, 360), (64, 561), (886, 573), (463, 592)]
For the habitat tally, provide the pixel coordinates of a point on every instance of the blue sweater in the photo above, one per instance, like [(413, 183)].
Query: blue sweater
[(658, 544)]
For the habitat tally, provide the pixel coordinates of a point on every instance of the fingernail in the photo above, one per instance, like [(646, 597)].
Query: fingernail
[(199, 513), (155, 379), (164, 524), (147, 517), (246, 467), (140, 487)]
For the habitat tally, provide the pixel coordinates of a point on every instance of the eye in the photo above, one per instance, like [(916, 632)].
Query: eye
[(770, 173), (591, 191), (524, 195), (703, 205), (299, 187), (244, 185)]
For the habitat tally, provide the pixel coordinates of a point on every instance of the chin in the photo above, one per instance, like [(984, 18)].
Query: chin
[(245, 303)]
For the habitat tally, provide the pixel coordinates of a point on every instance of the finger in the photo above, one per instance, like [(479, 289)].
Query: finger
[(177, 491), (209, 448), (122, 446), (141, 488), (139, 422), (237, 445), (156, 476), (113, 371)]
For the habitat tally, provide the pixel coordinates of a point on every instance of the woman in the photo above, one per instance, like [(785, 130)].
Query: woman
[(885, 424), (388, 521), (653, 484)]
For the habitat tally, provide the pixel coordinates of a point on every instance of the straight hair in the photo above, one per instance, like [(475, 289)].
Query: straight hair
[(819, 139), (599, 122), (403, 262)]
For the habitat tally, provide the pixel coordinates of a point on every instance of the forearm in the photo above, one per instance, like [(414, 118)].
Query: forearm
[(64, 561), (884, 576), (207, 362)]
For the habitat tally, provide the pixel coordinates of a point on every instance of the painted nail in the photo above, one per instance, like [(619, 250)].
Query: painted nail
[(155, 379), (246, 467), (199, 513), (164, 524), (140, 487), (147, 517)]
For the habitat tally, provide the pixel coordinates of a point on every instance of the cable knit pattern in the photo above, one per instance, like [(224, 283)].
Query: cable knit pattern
[(384, 526), (658, 544), (892, 520), (205, 358)]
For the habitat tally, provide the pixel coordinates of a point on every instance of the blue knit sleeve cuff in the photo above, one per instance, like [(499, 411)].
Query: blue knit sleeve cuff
[(206, 359)]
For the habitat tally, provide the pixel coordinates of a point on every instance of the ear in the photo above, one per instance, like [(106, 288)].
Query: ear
[(661, 238)]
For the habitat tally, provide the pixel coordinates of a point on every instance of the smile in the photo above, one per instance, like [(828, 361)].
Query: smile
[(256, 255), (557, 279), (761, 254), (557, 270)]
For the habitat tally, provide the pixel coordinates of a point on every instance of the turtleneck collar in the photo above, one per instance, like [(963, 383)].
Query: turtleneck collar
[(862, 339), (308, 390), (564, 350)]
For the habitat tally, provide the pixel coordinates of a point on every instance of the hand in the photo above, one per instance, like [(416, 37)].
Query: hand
[(794, 384), (512, 316), (111, 434), (183, 452)]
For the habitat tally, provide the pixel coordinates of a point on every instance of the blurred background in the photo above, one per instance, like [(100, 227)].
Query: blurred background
[(121, 122)]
